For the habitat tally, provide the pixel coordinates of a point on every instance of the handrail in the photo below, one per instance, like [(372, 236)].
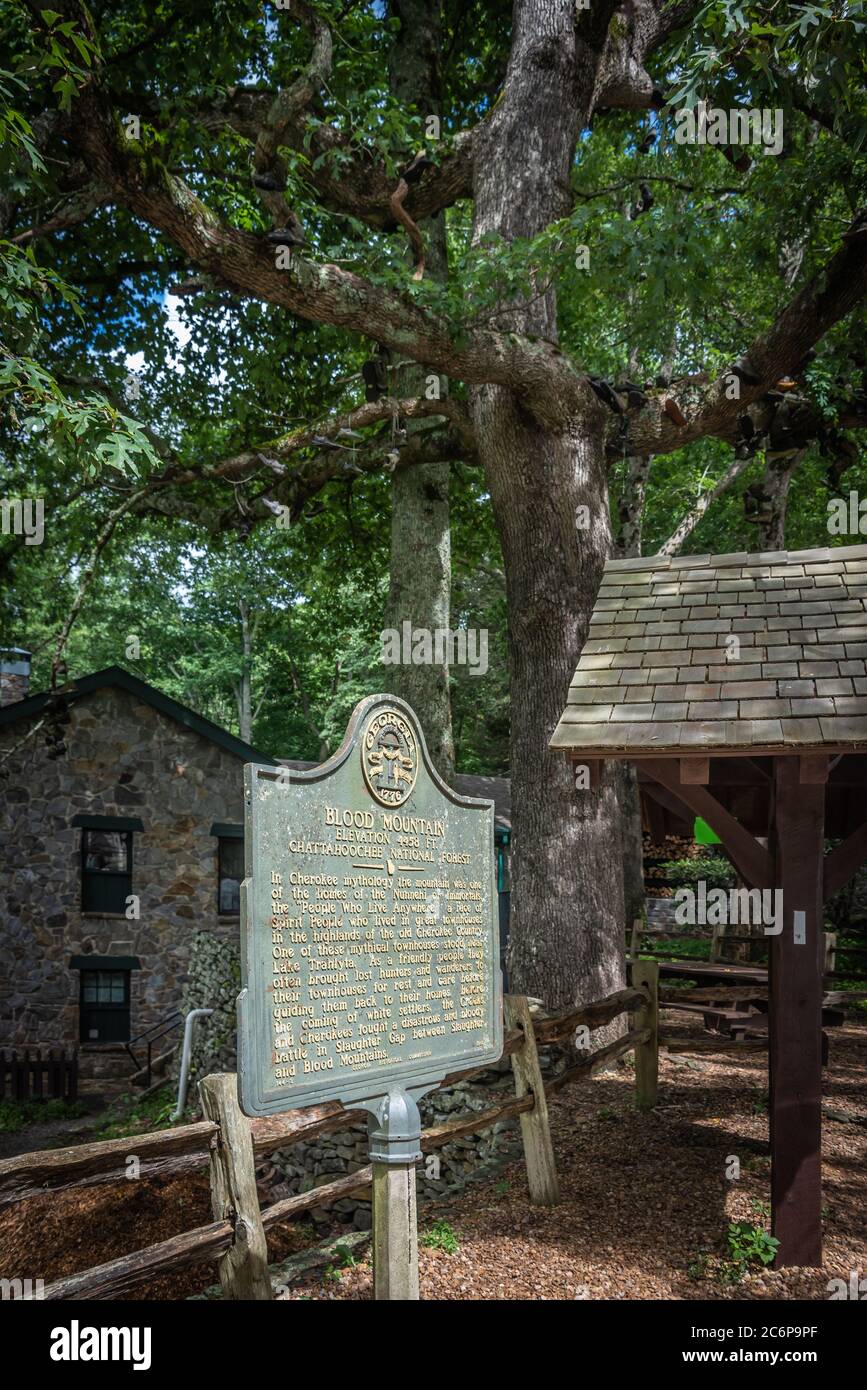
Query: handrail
[(153, 1034)]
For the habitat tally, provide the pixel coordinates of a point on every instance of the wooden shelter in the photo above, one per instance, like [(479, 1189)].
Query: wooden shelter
[(736, 684)]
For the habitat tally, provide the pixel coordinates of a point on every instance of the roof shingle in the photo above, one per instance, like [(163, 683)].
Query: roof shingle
[(660, 670)]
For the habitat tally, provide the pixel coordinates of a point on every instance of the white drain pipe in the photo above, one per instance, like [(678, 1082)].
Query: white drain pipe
[(183, 1079)]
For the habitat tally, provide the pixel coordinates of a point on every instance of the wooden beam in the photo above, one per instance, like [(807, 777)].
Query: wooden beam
[(752, 861), (173, 1150), (845, 861), (694, 772), (535, 1128), (646, 973), (813, 769), (796, 959), (655, 816), (243, 1268)]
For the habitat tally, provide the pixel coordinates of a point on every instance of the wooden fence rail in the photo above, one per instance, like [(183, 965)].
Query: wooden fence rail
[(231, 1143), (189, 1146)]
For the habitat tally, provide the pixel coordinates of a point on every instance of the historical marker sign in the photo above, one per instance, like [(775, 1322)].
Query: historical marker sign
[(369, 930)]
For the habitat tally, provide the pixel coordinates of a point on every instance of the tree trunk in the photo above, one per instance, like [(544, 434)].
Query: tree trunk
[(420, 586), (567, 889), (769, 498), (419, 593), (631, 505)]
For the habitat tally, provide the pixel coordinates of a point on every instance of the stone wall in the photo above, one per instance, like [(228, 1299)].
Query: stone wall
[(447, 1171), (213, 982), (124, 758)]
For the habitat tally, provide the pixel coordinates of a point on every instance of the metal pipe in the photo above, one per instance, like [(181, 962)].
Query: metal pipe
[(183, 1079)]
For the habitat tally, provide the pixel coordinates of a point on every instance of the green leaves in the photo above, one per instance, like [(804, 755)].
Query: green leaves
[(92, 431), (16, 132), (63, 43)]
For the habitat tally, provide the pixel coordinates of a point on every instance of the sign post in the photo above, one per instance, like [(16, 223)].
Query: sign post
[(369, 931)]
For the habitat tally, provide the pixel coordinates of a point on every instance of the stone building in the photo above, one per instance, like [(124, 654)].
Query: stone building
[(116, 847), (121, 839)]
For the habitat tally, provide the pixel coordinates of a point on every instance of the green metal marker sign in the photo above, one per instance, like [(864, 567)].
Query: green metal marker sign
[(368, 924)]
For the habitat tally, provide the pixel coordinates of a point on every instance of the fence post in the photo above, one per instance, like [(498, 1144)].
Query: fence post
[(645, 973), (243, 1268), (535, 1130), (830, 938), (395, 1232), (635, 937)]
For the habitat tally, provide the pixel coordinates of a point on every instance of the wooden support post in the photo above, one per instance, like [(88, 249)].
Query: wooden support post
[(694, 772), (395, 1232), (243, 1269), (645, 974), (795, 1044), (813, 769), (535, 1131), (830, 938)]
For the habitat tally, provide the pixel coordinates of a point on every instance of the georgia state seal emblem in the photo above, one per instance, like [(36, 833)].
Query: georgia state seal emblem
[(389, 757)]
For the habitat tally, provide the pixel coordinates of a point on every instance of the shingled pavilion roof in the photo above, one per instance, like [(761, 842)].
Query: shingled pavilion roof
[(656, 673)]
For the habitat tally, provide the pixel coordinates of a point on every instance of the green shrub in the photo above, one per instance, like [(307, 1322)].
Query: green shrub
[(716, 872), (748, 1244), (16, 1114)]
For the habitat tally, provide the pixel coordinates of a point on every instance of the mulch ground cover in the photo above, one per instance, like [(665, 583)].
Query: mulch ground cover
[(645, 1201)]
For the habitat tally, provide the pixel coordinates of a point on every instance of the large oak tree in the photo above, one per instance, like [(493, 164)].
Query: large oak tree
[(248, 124)]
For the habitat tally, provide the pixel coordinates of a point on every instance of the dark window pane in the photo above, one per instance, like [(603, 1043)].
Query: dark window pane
[(106, 851), (103, 986), (104, 1014), (106, 870), (231, 871)]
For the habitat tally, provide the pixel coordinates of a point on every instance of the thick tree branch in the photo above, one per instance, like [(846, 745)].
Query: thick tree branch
[(715, 409), (549, 385), (638, 27), (286, 109), (358, 184), (75, 210)]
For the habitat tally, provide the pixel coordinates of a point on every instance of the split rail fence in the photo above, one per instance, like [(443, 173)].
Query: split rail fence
[(231, 1144)]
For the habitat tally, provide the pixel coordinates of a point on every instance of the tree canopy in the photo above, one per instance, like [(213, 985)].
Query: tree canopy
[(217, 228)]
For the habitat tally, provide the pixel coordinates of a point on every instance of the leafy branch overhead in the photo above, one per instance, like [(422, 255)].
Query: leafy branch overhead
[(273, 186)]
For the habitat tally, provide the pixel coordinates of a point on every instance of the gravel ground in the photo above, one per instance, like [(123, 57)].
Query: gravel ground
[(645, 1203)]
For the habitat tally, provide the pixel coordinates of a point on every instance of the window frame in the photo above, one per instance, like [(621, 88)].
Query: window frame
[(228, 840), (88, 875), (118, 1008)]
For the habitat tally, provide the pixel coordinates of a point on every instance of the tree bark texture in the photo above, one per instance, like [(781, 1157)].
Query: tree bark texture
[(567, 891), (420, 575)]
